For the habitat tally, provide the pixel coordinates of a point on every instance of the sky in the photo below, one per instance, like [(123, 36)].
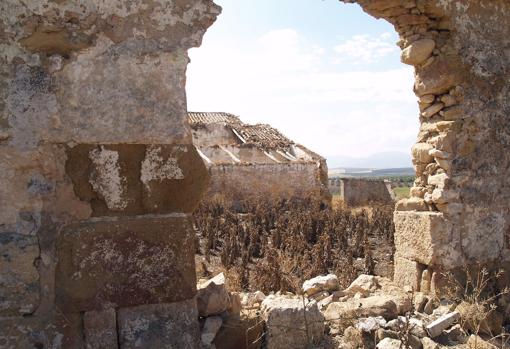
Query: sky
[(324, 73)]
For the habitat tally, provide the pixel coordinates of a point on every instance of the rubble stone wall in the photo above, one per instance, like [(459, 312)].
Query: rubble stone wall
[(360, 192), (98, 173), (458, 213), (240, 182)]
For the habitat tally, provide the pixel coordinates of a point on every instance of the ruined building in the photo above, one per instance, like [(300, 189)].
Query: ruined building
[(99, 174), (255, 161), (361, 191)]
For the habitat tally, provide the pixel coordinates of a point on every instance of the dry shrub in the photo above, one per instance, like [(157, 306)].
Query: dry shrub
[(276, 245), (476, 293)]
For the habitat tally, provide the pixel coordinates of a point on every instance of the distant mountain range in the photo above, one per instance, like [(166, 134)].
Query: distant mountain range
[(383, 160), (370, 173)]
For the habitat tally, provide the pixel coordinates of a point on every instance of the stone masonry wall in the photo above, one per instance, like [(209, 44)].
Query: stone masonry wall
[(240, 182), (98, 173), (360, 192), (458, 213)]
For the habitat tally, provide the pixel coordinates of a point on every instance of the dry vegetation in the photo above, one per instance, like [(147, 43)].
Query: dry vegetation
[(271, 246)]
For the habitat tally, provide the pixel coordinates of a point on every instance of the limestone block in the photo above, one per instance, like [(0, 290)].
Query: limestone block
[(286, 325), (426, 237), (427, 99), (411, 204), (135, 179), (212, 297), (100, 329), (172, 325), (321, 283), (124, 262), (420, 153), (407, 272), (426, 278), (418, 51), (364, 284), (19, 279), (373, 306), (438, 180), (82, 96), (448, 100), (436, 327), (432, 110), (437, 77), (452, 113), (389, 343)]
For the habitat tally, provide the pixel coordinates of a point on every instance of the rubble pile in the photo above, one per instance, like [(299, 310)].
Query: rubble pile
[(371, 313)]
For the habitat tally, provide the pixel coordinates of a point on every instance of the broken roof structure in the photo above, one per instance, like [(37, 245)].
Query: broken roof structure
[(227, 132), (238, 154)]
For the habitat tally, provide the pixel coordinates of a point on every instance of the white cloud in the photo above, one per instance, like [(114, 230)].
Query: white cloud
[(282, 79), (365, 48)]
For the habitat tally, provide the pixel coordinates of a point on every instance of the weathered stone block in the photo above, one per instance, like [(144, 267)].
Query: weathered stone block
[(19, 279), (135, 179), (172, 325), (427, 238), (407, 272), (100, 329), (124, 262), (285, 322)]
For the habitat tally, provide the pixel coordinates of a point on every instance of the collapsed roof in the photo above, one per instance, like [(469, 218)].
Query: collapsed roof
[(224, 138)]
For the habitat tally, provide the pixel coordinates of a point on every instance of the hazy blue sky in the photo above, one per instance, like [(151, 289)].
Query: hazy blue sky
[(324, 73)]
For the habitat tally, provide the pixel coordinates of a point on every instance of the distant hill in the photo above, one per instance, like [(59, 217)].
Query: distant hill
[(383, 160), (368, 172)]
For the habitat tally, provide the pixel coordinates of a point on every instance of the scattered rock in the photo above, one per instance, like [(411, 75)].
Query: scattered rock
[(455, 334), (364, 284), (212, 297), (435, 328), (418, 51), (319, 296), (320, 283), (389, 343), (366, 307), (285, 322), (384, 333), (211, 327), (429, 343), (370, 324)]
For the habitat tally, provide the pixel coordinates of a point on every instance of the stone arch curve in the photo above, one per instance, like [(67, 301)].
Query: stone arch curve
[(93, 126), (458, 212)]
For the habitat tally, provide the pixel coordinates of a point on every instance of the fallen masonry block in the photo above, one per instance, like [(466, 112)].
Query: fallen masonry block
[(290, 323), (212, 296), (321, 283), (436, 327)]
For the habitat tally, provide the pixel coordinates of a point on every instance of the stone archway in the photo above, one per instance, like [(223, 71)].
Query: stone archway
[(457, 214), (93, 124)]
